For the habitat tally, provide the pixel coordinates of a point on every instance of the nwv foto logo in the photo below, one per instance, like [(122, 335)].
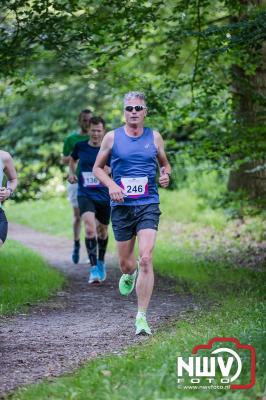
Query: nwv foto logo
[(223, 364)]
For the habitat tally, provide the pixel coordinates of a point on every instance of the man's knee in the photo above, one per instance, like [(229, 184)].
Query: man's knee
[(127, 265), (90, 231), (102, 232), (103, 235), (76, 220), (146, 262), (76, 216)]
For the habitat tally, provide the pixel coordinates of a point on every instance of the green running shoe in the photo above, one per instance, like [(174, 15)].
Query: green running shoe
[(142, 327), (127, 283)]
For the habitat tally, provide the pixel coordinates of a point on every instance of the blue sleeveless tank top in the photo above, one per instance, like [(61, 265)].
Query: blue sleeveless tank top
[(134, 166)]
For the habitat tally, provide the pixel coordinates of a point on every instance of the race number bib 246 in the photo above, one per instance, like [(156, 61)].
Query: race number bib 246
[(89, 180), (135, 187)]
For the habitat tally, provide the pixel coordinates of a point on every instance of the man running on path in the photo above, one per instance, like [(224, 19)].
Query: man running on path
[(69, 143), (93, 198), (134, 151), (6, 168)]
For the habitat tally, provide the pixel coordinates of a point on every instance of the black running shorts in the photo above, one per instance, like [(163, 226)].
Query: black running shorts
[(3, 225), (128, 220), (101, 209)]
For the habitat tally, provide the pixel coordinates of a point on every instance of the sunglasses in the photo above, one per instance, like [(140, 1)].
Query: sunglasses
[(137, 108)]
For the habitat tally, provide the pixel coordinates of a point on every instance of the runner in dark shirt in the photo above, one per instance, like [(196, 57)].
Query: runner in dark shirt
[(93, 198)]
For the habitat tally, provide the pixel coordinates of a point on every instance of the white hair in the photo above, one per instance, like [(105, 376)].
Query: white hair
[(134, 95)]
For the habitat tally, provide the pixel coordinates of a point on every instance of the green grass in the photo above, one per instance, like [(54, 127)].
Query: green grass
[(187, 207), (148, 371), (52, 216), (199, 275), (25, 278)]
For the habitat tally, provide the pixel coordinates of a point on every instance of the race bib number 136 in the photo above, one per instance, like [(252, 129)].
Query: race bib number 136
[(89, 180), (135, 187)]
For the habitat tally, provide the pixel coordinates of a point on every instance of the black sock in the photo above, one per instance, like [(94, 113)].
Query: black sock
[(77, 243), (102, 245), (91, 246)]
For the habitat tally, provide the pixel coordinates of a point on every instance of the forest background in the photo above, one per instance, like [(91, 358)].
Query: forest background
[(202, 65)]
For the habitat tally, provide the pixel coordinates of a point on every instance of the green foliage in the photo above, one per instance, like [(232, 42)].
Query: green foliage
[(25, 278), (185, 55), (70, 29)]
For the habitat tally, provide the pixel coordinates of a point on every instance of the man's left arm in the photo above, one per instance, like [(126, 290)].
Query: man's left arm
[(165, 167), (10, 172)]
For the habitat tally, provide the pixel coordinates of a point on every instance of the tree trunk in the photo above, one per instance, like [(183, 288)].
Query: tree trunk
[(250, 113)]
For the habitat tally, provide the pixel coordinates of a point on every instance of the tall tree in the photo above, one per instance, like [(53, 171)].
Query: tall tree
[(249, 92)]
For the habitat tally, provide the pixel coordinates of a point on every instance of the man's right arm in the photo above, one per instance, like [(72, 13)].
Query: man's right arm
[(115, 191), (66, 160), (66, 151), (72, 177)]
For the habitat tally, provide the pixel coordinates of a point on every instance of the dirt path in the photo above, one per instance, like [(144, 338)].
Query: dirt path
[(77, 324)]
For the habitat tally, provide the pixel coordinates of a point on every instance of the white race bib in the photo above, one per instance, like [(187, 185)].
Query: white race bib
[(135, 187), (89, 180)]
